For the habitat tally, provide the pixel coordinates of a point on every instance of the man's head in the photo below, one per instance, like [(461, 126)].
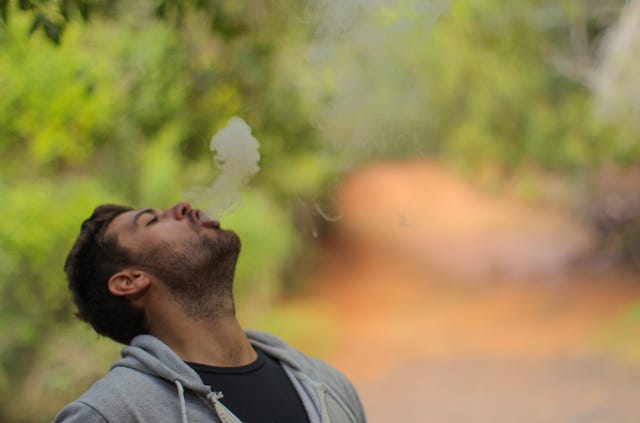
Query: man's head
[(121, 253)]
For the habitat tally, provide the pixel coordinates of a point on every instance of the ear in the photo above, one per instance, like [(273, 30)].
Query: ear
[(128, 283)]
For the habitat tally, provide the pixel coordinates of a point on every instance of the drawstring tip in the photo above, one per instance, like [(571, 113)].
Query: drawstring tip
[(214, 396)]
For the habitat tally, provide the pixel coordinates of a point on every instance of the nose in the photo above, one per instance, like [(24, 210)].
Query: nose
[(181, 210)]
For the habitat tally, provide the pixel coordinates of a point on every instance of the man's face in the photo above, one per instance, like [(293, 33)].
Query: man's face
[(184, 249), (139, 230)]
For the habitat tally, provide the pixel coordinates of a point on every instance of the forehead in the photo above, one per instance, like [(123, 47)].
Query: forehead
[(123, 223)]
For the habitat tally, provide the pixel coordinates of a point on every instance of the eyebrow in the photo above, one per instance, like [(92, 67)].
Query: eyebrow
[(140, 213)]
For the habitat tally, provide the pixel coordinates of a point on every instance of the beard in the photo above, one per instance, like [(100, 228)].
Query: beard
[(198, 273)]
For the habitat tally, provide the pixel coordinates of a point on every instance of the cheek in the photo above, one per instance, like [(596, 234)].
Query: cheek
[(158, 235), (176, 235)]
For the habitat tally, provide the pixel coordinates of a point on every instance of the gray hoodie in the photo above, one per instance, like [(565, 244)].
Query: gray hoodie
[(150, 383)]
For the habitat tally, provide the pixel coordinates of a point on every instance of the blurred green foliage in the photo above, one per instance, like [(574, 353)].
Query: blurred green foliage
[(121, 107), (485, 85), (120, 111)]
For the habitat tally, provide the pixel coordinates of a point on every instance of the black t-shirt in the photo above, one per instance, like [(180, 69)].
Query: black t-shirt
[(258, 392)]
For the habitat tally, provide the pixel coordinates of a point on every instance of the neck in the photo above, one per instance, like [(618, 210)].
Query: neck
[(215, 341)]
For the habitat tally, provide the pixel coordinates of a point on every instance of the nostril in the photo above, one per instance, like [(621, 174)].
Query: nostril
[(182, 209)]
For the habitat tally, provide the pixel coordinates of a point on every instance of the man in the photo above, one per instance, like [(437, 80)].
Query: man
[(160, 281)]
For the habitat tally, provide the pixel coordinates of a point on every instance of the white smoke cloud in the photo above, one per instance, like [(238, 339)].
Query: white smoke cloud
[(365, 50), (236, 155)]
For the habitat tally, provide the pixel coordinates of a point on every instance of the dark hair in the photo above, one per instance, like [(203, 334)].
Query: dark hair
[(93, 259)]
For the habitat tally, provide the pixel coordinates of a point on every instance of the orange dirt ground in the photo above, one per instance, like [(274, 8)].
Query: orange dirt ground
[(456, 306)]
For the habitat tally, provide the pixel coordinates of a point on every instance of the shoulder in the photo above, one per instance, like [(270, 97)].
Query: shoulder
[(79, 412), (338, 387), (339, 384), (119, 395), (313, 369)]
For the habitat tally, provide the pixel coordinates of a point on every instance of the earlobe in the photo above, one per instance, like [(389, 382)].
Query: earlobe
[(128, 282)]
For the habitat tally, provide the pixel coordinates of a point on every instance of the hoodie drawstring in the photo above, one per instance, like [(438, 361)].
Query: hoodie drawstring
[(323, 403), (225, 415), (183, 404)]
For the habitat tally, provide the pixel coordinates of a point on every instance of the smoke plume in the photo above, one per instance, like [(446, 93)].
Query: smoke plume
[(235, 153)]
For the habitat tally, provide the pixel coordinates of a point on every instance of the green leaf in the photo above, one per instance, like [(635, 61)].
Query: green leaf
[(83, 7), (4, 10), (36, 23), (52, 30), (64, 9), (25, 5)]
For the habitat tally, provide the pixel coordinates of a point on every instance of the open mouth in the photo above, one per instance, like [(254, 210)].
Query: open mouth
[(199, 217)]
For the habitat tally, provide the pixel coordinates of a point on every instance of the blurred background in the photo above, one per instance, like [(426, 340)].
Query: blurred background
[(448, 205)]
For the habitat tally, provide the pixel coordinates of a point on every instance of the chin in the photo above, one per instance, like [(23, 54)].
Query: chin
[(228, 240)]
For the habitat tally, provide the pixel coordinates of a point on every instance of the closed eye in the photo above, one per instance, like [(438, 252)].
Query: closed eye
[(152, 221)]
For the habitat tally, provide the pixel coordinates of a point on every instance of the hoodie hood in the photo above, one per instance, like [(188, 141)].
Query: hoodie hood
[(133, 390), (147, 354), (325, 392)]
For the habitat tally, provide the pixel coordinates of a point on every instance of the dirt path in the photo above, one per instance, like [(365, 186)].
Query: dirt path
[(455, 306), (489, 390)]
